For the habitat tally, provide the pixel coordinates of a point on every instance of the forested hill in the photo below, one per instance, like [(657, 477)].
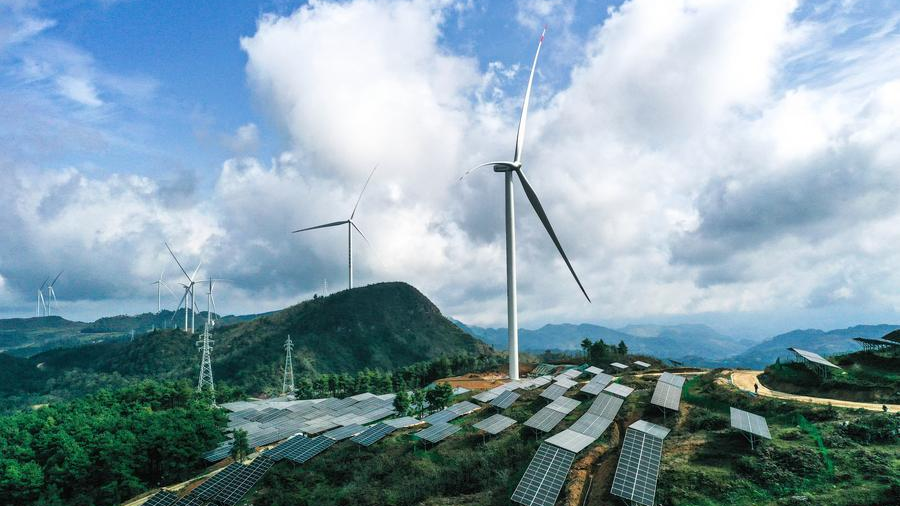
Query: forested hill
[(383, 326)]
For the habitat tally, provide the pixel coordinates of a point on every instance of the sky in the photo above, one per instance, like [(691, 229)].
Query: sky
[(724, 162)]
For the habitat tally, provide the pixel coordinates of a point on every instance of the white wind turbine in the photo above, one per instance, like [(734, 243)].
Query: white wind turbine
[(41, 303), (188, 298), (509, 168), (159, 284), (51, 294), (350, 226)]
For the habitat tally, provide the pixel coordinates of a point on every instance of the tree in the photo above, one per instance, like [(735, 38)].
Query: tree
[(599, 352), (622, 349), (439, 397), (241, 447), (586, 346), (401, 402), (418, 401)]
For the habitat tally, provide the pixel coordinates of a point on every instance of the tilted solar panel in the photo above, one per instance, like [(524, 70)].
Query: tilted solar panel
[(544, 477), (666, 396), (342, 433), (443, 416), (554, 391), (373, 434), (505, 400), (749, 422), (403, 422), (564, 405), (495, 424), (571, 440), (813, 357), (438, 432), (593, 370), (279, 451), (619, 365), (619, 389), (545, 419), (640, 363), (241, 483), (657, 431), (463, 408), (672, 379), (638, 468), (486, 396), (605, 406), (566, 382), (309, 449), (162, 498), (191, 499), (213, 484), (591, 425), (591, 388)]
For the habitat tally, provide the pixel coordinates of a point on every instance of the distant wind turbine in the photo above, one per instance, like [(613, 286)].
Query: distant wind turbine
[(159, 284), (51, 294), (509, 168), (188, 299), (350, 227), (41, 303)]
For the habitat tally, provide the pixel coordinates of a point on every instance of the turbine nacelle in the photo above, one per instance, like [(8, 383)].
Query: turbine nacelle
[(507, 166)]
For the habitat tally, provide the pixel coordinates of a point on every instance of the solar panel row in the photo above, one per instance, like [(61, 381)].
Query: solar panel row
[(495, 424), (505, 400), (373, 434), (544, 477), (638, 468), (162, 498), (554, 391), (438, 432), (619, 389)]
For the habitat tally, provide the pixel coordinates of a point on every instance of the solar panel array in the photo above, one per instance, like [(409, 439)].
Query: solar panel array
[(544, 478), (438, 432), (495, 424), (505, 400), (605, 406), (307, 449), (564, 405), (342, 433), (373, 434), (554, 391), (162, 498), (230, 490), (213, 485), (750, 422), (638, 467), (267, 422), (666, 395), (442, 416), (619, 389), (619, 365), (597, 384), (589, 426), (813, 357)]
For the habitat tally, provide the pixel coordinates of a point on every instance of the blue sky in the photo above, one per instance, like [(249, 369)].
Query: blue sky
[(703, 161)]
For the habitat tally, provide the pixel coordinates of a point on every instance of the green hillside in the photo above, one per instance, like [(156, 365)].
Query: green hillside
[(384, 326)]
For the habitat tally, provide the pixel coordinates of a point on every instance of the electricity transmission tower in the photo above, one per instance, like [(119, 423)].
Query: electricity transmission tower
[(288, 384), (206, 376)]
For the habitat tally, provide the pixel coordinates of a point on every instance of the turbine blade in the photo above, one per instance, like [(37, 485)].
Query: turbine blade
[(360, 233), (488, 164), (43, 284), (363, 191), (332, 224), (176, 261), (179, 305), (539, 210), (167, 288), (195, 271), (520, 136), (57, 277)]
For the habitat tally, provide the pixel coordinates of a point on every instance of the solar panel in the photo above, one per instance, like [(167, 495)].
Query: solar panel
[(564, 405), (342, 433), (638, 468), (619, 389), (463, 408), (813, 357), (554, 391), (593, 370), (373, 434), (571, 440), (605, 406), (443, 416), (640, 363), (290, 445), (572, 373), (654, 430), (565, 382), (191, 499), (486, 396), (541, 381), (592, 388), (218, 453), (162, 498), (544, 478), (545, 419), (749, 422), (505, 400), (495, 424), (666, 396), (309, 449), (460, 391), (619, 365), (403, 422), (591, 425), (214, 484), (241, 483), (438, 432), (672, 379)]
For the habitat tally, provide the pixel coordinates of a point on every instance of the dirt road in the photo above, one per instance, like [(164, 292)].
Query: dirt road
[(746, 379)]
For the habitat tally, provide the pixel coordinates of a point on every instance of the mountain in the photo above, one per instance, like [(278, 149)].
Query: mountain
[(667, 341), (815, 340), (384, 326)]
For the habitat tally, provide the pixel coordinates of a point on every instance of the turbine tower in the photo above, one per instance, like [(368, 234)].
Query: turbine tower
[(51, 295), (159, 284), (41, 309), (287, 385), (508, 168), (188, 298), (350, 226)]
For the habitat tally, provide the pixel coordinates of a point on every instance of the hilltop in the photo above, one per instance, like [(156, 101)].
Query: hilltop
[(383, 326)]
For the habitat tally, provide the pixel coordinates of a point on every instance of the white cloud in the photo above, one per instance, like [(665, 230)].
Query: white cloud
[(78, 89), (244, 140)]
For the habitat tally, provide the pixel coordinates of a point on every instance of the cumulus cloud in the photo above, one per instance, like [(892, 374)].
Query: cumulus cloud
[(700, 160)]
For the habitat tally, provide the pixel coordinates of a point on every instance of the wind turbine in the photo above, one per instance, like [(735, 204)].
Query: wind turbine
[(159, 284), (350, 226), (508, 168), (188, 298), (41, 304), (51, 295)]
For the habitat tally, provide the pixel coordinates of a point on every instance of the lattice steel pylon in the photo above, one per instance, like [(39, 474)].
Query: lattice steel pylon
[(287, 385), (206, 376)]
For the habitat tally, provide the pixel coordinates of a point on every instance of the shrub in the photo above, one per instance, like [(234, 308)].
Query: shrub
[(791, 435), (874, 428), (781, 468), (704, 419)]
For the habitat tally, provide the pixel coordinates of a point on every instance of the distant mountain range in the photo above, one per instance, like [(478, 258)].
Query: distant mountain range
[(696, 345), (383, 326)]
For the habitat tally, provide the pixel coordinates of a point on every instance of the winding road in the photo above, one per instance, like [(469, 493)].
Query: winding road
[(746, 379)]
